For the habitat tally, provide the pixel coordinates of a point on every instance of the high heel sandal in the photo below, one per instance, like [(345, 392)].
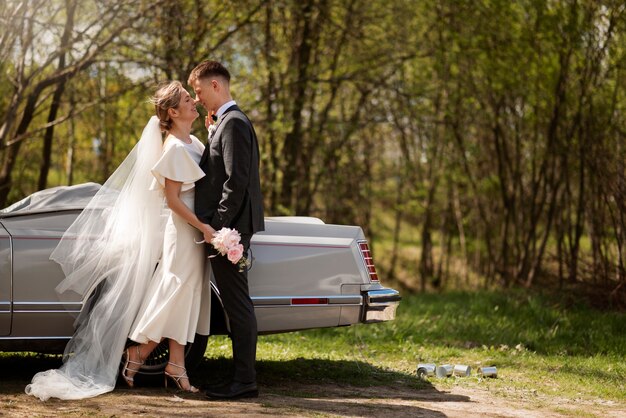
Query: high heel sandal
[(130, 381), (177, 378)]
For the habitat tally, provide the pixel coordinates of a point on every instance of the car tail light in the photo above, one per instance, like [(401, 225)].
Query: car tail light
[(368, 260)]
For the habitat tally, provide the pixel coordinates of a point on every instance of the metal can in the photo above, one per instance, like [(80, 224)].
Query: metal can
[(425, 370), (462, 370), (488, 371), (444, 370)]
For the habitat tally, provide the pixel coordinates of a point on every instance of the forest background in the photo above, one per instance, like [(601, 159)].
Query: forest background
[(479, 143)]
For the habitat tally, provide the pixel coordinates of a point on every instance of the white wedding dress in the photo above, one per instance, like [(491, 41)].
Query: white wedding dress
[(176, 294), (115, 243)]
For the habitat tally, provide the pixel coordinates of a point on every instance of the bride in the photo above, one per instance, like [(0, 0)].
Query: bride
[(140, 257)]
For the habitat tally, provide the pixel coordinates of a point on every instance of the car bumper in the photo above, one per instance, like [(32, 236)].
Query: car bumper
[(380, 305)]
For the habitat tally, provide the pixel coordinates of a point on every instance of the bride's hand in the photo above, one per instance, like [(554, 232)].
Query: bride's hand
[(208, 121), (208, 233)]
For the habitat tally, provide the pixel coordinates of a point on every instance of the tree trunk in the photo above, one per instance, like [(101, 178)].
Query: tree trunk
[(426, 266), (70, 6), (293, 140), (399, 212), (272, 164), (458, 217), (13, 150)]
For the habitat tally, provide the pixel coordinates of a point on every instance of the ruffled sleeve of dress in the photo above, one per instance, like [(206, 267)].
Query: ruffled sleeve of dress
[(176, 164)]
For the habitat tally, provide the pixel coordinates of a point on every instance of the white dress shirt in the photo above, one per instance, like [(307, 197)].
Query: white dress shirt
[(223, 108)]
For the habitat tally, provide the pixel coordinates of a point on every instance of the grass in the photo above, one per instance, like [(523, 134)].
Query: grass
[(540, 347), (548, 354)]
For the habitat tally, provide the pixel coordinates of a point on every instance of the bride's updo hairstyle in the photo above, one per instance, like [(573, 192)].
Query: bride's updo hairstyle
[(166, 97)]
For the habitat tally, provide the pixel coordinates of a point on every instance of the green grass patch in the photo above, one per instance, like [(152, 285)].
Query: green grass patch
[(539, 345)]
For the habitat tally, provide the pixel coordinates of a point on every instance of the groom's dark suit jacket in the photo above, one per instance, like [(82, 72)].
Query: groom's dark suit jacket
[(230, 196), (230, 193)]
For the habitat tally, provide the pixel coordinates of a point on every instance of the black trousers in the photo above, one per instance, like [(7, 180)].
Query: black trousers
[(233, 287)]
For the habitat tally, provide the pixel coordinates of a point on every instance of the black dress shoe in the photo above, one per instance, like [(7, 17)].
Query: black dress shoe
[(235, 390)]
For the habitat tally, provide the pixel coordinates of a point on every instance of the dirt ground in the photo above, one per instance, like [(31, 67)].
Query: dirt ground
[(304, 400), (289, 393)]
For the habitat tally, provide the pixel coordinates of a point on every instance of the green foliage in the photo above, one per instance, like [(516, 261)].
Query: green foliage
[(490, 126)]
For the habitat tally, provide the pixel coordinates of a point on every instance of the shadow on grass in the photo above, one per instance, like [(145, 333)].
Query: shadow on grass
[(333, 387), (293, 377)]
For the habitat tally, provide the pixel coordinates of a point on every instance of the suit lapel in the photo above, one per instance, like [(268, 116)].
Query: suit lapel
[(222, 118), (230, 109), (205, 155)]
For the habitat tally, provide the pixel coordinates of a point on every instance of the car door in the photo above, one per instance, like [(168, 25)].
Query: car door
[(37, 311), (5, 281)]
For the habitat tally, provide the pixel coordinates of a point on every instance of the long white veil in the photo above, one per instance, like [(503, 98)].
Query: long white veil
[(114, 245)]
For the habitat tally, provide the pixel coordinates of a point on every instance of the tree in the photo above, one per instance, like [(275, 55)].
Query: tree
[(28, 43)]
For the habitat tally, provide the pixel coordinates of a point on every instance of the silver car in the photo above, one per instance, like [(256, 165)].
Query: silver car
[(305, 274)]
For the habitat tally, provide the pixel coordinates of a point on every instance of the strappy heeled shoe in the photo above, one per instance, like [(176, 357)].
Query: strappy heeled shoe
[(177, 378), (130, 381)]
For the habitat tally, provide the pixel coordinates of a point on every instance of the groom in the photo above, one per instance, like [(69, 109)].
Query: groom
[(230, 196)]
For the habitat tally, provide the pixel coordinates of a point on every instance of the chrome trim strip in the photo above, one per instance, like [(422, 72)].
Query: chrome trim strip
[(279, 244), (343, 300), (32, 311), (47, 337), (301, 241), (382, 297), (35, 237), (47, 303), (46, 307), (334, 300), (325, 305)]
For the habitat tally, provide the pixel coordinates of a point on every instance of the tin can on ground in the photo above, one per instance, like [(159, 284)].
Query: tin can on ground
[(488, 371), (462, 370), (444, 370), (426, 369)]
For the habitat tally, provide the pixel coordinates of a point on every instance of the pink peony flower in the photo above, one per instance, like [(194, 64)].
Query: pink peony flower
[(218, 242), (231, 238), (235, 253), (224, 239)]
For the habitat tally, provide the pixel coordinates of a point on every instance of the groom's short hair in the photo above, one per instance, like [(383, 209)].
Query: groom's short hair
[(208, 69)]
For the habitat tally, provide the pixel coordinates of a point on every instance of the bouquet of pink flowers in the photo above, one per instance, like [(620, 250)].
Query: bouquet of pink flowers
[(226, 242)]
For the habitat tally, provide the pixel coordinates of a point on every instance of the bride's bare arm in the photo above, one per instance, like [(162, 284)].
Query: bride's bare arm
[(172, 194)]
